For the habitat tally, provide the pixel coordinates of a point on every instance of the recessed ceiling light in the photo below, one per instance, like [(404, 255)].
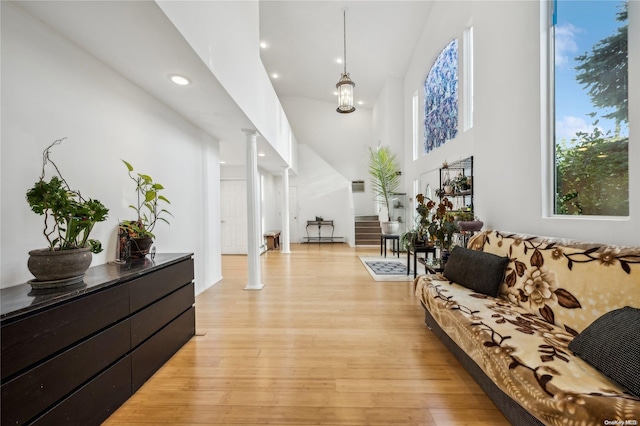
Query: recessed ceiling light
[(262, 154), (360, 103), (335, 93), (264, 44), (339, 60), (223, 162), (180, 80), (275, 75)]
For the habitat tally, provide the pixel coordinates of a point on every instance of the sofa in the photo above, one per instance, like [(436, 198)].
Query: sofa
[(549, 328)]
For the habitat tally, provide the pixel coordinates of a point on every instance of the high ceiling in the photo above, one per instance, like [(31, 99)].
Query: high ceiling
[(305, 38)]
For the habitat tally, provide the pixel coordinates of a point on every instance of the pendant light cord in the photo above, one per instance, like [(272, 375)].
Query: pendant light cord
[(344, 13)]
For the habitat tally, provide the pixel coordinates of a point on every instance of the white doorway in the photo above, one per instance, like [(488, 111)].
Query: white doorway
[(233, 209), (293, 215)]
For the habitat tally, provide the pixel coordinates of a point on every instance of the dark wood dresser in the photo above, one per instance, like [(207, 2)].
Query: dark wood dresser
[(73, 356)]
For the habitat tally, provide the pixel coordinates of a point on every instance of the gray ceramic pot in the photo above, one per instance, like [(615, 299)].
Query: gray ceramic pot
[(59, 265)]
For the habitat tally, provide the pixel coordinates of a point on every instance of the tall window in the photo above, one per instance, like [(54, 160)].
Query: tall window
[(441, 99), (590, 107), (416, 125)]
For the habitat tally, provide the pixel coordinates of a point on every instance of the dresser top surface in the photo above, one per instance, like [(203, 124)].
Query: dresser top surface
[(20, 299)]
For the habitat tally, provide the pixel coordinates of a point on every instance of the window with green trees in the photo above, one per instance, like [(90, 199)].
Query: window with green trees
[(590, 104)]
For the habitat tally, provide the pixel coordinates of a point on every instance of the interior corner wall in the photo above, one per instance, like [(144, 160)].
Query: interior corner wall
[(53, 89), (507, 138), (342, 140), (387, 118), (387, 127)]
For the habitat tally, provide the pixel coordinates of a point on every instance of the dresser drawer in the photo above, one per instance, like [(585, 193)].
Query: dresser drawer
[(94, 402), (153, 353), (27, 341), (149, 288), (156, 316), (32, 392)]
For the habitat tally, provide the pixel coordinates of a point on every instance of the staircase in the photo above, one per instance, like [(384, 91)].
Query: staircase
[(367, 231)]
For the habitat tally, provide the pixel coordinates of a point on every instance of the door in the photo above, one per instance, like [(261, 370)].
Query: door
[(233, 212), (293, 215)]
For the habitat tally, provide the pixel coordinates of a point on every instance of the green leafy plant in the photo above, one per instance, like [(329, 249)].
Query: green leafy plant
[(460, 183), (148, 205), (385, 175), (420, 231), (442, 225), (69, 218)]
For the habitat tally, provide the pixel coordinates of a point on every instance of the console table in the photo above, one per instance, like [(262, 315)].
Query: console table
[(74, 355), (320, 224)]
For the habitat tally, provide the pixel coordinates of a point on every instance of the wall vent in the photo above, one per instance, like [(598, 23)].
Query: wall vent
[(357, 186)]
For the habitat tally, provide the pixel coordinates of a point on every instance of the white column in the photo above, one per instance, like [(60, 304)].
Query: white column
[(253, 212), (286, 249)]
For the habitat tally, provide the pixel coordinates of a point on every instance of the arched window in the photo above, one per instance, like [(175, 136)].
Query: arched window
[(441, 99)]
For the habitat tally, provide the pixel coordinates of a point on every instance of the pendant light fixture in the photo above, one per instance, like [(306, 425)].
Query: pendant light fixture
[(345, 85)]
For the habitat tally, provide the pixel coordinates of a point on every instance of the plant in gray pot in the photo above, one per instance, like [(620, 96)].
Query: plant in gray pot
[(149, 212), (69, 218), (385, 182)]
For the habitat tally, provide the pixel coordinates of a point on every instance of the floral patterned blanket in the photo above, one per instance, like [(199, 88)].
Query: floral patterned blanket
[(552, 290)]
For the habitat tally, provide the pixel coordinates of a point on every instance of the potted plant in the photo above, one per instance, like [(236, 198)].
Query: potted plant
[(385, 181), (419, 234), (442, 225), (460, 183), (149, 211), (69, 219), (448, 186)]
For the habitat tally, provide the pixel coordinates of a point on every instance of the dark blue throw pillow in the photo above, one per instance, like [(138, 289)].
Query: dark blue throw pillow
[(477, 270), (611, 344)]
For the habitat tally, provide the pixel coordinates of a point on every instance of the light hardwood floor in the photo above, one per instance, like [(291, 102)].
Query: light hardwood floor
[(321, 344)]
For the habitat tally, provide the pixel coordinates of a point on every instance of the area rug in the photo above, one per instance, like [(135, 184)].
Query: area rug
[(386, 269)]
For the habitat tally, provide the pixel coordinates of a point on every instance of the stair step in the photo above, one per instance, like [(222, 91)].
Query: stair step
[(367, 231), (366, 218)]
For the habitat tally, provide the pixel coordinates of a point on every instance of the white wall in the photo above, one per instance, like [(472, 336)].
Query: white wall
[(271, 202), (507, 140), (387, 118), (446, 21), (324, 192), (52, 89), (226, 36), (342, 140)]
